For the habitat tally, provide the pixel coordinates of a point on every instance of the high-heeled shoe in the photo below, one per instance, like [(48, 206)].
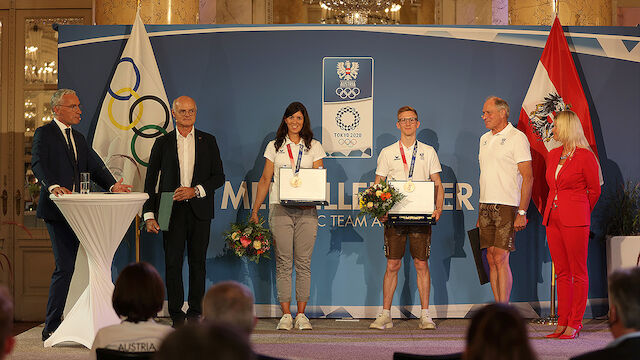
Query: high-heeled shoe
[(553, 335), (556, 334), (575, 334)]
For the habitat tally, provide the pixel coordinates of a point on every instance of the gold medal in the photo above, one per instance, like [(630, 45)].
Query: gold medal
[(296, 181), (409, 186)]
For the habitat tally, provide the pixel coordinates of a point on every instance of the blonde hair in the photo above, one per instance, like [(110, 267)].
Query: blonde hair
[(568, 129)]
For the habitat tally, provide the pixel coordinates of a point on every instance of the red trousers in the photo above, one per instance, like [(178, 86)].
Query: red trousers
[(568, 246)]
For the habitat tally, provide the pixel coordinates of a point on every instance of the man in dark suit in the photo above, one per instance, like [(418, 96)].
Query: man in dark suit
[(624, 317), (59, 155), (189, 165)]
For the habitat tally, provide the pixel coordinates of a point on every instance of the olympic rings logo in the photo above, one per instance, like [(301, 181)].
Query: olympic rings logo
[(133, 122), (348, 142), (348, 110), (350, 93)]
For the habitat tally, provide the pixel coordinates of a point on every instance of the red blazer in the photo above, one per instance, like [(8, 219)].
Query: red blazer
[(577, 187)]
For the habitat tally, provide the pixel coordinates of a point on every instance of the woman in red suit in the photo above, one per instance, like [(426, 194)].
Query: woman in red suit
[(574, 187)]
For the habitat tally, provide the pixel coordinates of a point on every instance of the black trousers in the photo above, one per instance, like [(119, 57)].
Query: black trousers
[(185, 230), (64, 243)]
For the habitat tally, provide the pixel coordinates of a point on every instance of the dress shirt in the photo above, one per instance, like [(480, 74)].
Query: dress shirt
[(186, 146), (186, 156), (186, 159)]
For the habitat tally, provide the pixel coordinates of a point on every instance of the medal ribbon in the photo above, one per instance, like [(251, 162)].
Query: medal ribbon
[(409, 170), (296, 166)]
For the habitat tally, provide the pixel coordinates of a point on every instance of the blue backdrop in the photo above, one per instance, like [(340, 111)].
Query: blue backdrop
[(243, 78)]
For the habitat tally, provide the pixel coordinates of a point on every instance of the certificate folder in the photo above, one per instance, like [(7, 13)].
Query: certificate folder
[(478, 255), (311, 189), (417, 206), (164, 210)]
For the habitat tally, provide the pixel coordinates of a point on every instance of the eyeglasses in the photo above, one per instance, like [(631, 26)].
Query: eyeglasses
[(410, 120), (73, 107), (183, 112)]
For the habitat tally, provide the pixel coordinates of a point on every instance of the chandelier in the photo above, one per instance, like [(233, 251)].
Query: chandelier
[(361, 12)]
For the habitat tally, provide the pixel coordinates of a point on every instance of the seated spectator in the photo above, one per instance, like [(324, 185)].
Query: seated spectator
[(208, 340), (498, 332), (231, 303), (624, 317), (138, 296), (7, 341)]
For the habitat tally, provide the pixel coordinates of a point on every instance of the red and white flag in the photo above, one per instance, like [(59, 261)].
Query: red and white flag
[(555, 87)]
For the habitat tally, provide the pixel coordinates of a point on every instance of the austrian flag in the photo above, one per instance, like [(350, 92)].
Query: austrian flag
[(555, 87)]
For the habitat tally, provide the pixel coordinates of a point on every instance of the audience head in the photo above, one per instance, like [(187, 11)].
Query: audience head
[(498, 332), (230, 302), (208, 340), (6, 323), (624, 301), (567, 129), (139, 292)]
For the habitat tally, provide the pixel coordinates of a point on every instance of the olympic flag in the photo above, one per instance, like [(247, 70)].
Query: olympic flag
[(134, 112), (555, 87)]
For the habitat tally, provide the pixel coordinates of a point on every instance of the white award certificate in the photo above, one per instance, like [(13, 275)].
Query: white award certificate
[(420, 201), (310, 187)]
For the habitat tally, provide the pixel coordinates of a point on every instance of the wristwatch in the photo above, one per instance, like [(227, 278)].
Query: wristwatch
[(522, 212)]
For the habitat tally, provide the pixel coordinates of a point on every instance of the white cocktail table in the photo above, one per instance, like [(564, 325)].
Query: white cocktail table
[(100, 220)]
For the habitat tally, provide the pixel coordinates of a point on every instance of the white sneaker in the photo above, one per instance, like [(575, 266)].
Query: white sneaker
[(426, 323), (382, 322), (286, 322), (302, 322)]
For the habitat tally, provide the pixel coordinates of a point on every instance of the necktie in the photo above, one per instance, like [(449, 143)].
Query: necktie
[(76, 173)]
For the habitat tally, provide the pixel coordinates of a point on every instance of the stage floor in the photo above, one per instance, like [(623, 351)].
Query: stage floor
[(332, 339)]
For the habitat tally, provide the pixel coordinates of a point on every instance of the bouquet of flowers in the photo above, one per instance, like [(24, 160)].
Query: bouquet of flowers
[(378, 199), (250, 240)]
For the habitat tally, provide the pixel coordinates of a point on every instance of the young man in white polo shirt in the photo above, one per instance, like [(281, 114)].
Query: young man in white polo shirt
[(506, 179), (400, 161)]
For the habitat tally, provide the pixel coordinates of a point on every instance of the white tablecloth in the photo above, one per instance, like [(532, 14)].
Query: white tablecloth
[(100, 221)]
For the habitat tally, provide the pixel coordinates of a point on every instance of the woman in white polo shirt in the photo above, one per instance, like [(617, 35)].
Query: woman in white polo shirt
[(294, 228)]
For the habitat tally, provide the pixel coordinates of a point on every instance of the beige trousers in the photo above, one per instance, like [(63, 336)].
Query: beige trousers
[(294, 232)]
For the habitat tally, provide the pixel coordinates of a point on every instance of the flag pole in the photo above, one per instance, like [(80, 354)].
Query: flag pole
[(552, 312), (552, 319), (137, 238)]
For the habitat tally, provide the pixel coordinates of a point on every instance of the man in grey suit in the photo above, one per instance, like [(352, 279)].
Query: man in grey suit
[(188, 163)]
